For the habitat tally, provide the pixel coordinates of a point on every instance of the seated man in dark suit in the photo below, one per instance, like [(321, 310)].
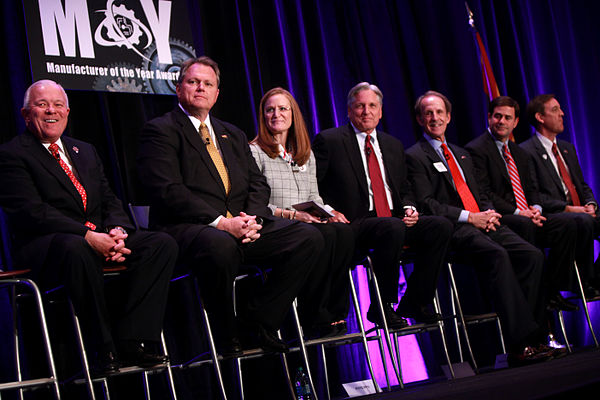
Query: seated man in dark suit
[(444, 183), (562, 186), (507, 177), (68, 224), (361, 172), (207, 192)]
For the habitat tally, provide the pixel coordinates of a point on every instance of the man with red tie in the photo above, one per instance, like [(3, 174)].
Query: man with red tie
[(361, 172), (506, 175), (444, 183), (68, 224), (562, 186)]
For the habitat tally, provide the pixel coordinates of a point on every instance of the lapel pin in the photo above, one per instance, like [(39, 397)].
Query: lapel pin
[(224, 136), (566, 151), (463, 157), (76, 149), (545, 156)]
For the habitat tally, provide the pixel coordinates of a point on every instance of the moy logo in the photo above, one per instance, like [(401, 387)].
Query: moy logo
[(120, 27)]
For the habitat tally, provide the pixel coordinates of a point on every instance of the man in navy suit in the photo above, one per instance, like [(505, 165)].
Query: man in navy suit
[(207, 192), (507, 177), (443, 178), (561, 183), (349, 160), (68, 224)]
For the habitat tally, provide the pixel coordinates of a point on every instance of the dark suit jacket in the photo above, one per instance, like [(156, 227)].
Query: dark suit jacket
[(40, 199), (434, 190), (341, 174), (551, 191), (182, 181), (492, 175)]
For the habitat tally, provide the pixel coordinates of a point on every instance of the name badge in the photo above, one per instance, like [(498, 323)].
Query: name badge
[(440, 166)]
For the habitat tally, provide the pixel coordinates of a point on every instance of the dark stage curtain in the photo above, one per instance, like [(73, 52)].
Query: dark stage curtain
[(319, 49)]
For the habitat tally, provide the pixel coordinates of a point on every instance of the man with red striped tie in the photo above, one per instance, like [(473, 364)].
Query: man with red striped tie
[(444, 184), (505, 173), (67, 225)]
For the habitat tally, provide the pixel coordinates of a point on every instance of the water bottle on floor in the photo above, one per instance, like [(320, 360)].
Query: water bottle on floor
[(303, 390)]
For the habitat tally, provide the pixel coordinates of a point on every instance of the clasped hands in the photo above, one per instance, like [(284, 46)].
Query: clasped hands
[(486, 220), (242, 227), (109, 245), (534, 214)]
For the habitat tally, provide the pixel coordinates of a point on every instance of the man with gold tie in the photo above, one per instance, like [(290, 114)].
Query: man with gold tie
[(206, 191)]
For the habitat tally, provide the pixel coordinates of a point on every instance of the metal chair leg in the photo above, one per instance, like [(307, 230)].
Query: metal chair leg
[(501, 335), (561, 320), (82, 353), (361, 327), (386, 330), (324, 358), (584, 301), (437, 309), (211, 342), (461, 316), (170, 380), (286, 369), (303, 347), (16, 341)]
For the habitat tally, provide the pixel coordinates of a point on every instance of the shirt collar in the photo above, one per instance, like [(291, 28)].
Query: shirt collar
[(363, 135), (195, 121), (436, 144)]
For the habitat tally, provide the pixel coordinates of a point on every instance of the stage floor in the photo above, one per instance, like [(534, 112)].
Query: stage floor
[(576, 376)]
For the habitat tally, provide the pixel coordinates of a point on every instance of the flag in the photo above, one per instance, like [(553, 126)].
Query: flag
[(489, 81)]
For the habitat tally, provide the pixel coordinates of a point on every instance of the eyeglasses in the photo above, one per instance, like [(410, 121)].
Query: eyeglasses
[(281, 109)]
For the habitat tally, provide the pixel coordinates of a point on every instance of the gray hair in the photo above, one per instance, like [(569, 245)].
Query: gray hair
[(364, 86), (27, 96)]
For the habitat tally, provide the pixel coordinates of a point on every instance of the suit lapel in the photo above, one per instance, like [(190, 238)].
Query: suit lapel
[(194, 139), (355, 158), (492, 149), (548, 163), (51, 164), (433, 157)]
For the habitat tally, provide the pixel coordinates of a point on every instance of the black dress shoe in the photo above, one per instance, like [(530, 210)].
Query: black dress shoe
[(106, 363), (418, 313), (231, 347), (591, 292), (133, 353), (528, 355), (268, 340), (557, 302), (393, 320)]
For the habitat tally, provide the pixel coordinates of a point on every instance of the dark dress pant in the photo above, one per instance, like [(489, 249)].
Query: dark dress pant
[(132, 306), (216, 256)]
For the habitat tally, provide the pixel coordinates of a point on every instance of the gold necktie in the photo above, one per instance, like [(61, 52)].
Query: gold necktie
[(217, 159)]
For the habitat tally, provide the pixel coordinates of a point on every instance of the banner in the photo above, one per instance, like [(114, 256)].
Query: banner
[(109, 45)]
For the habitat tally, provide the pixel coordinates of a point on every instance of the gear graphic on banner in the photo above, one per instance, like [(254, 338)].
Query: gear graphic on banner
[(180, 51), (119, 84), (120, 27)]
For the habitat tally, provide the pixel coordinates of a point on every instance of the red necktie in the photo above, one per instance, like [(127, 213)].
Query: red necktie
[(566, 177), (461, 186), (54, 150), (514, 179), (382, 208)]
